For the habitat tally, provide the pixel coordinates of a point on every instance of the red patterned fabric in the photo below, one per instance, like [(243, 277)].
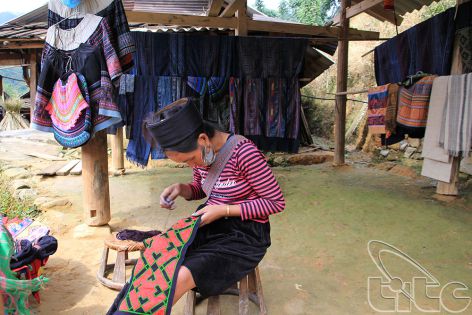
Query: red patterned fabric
[(152, 285)]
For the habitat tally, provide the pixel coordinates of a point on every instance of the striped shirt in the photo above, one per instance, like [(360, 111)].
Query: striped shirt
[(246, 180)]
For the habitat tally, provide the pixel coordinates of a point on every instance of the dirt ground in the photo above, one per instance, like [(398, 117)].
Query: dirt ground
[(318, 262)]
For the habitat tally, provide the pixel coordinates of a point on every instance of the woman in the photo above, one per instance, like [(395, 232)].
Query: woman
[(234, 232)]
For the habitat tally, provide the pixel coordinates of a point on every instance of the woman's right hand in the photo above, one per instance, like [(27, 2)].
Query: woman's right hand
[(169, 195)]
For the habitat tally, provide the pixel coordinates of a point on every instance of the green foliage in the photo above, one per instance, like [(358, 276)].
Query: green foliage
[(11, 206), (315, 12), (12, 87), (319, 113), (436, 8)]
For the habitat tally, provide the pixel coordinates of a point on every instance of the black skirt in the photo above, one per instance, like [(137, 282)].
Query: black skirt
[(224, 251)]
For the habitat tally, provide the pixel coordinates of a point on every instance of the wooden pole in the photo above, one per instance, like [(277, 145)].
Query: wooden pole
[(117, 152), (95, 180), (241, 24), (33, 80), (2, 99), (340, 113), (443, 188)]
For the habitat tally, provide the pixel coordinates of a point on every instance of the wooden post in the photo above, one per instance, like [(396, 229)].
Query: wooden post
[(96, 192), (2, 99), (241, 25), (33, 80), (451, 188), (117, 152), (340, 113)]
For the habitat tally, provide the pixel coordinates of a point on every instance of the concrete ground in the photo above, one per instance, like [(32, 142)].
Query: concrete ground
[(318, 262)]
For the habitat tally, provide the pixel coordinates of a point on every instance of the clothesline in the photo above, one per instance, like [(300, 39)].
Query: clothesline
[(332, 99)]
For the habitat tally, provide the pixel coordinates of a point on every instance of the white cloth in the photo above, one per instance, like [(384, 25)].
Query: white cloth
[(437, 163)]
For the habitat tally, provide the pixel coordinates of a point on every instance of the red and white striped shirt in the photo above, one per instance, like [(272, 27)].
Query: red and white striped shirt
[(246, 180)]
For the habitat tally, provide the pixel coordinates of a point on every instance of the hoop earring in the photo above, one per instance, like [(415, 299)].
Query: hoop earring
[(208, 156)]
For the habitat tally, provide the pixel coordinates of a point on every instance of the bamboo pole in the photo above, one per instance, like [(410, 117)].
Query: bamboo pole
[(342, 67), (117, 152)]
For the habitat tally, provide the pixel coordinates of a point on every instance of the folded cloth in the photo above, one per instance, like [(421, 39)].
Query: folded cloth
[(456, 128), (135, 235), (377, 108), (413, 103), (25, 254), (46, 246), (436, 164)]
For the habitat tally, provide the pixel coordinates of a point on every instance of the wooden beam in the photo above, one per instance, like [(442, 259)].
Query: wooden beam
[(117, 152), (33, 80), (7, 59), (22, 45), (231, 9), (241, 29), (214, 7), (358, 9), (309, 30), (180, 19), (341, 86), (2, 99)]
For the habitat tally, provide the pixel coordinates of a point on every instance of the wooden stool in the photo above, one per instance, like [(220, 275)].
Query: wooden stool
[(119, 267), (248, 289)]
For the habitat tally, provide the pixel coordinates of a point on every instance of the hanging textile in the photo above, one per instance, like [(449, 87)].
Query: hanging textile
[(425, 47), (436, 164), (113, 12), (152, 285), (464, 37), (413, 105), (392, 108), (86, 49), (376, 109), (456, 128)]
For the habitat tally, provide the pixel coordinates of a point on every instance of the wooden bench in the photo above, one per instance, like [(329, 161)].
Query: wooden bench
[(248, 289)]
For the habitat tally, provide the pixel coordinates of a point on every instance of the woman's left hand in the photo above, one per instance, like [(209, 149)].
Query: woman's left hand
[(210, 213)]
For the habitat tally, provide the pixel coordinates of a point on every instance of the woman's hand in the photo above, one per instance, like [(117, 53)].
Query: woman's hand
[(210, 214), (168, 196)]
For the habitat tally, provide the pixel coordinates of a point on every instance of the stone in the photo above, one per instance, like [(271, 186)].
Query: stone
[(384, 153), (402, 170), (466, 166), (18, 184), (394, 156), (416, 156), (16, 172), (25, 194), (38, 202), (56, 203), (279, 160), (415, 143), (85, 231), (403, 145), (409, 152), (395, 146)]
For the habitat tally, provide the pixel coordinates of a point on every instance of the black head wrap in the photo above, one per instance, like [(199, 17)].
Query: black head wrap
[(174, 126)]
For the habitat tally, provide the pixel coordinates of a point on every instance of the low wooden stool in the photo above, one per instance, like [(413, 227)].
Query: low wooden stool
[(119, 267), (248, 289)]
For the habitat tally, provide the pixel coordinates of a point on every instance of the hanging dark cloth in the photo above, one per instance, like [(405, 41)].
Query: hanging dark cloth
[(464, 36), (425, 47)]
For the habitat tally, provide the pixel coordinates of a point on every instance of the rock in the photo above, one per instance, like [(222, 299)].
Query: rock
[(415, 143), (56, 203), (16, 172), (395, 146), (466, 166), (384, 153), (394, 156), (402, 170), (38, 202), (279, 161), (24, 194), (416, 156), (409, 152), (85, 231), (18, 184), (310, 158), (403, 145)]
